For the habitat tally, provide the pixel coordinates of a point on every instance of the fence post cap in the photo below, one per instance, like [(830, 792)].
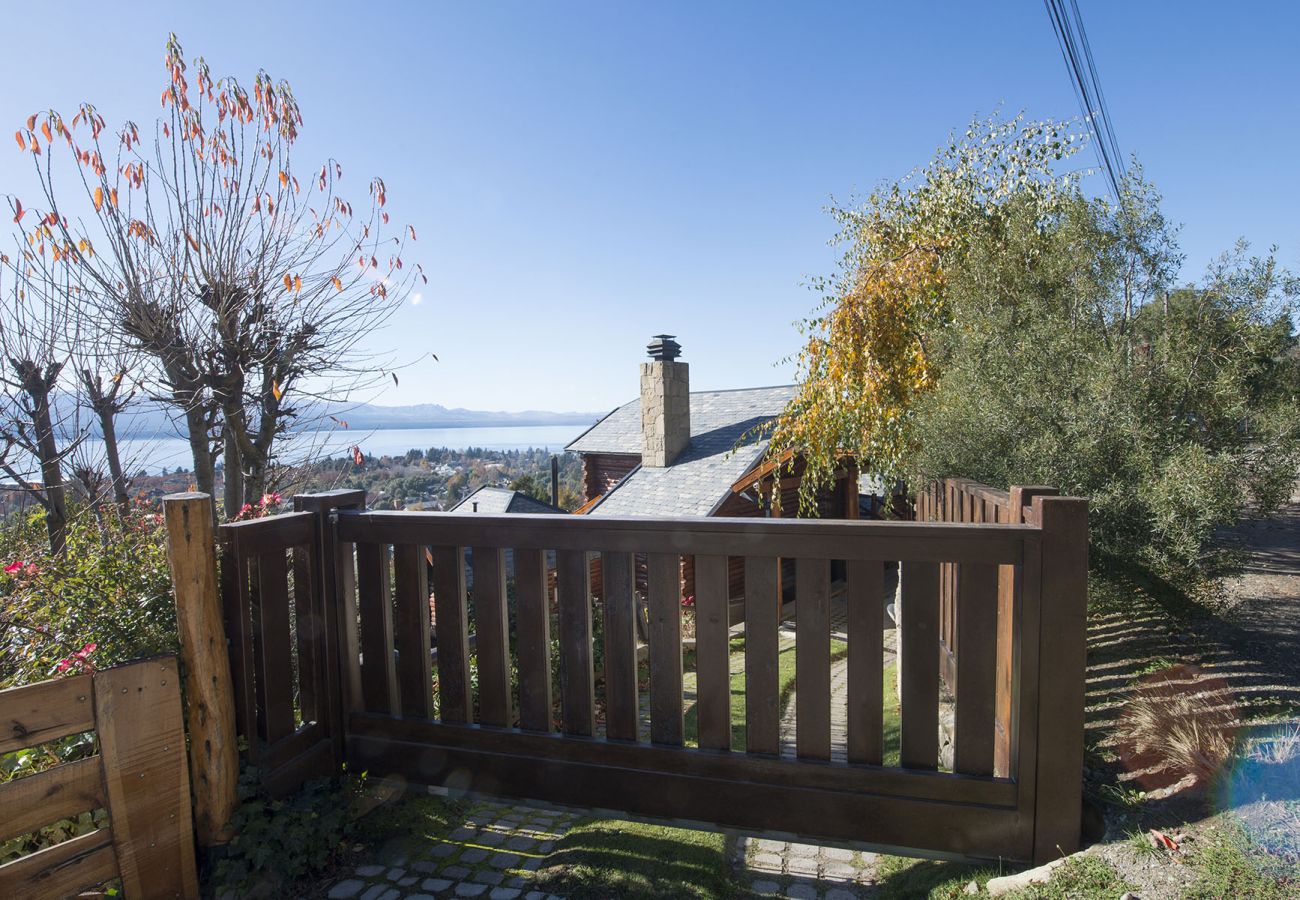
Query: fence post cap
[(185, 496)]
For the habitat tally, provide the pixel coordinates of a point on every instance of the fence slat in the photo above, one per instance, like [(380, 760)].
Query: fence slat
[(309, 623), (762, 617), (142, 743), (618, 605), (712, 654), (663, 572), (414, 662), (274, 648), (866, 613), (46, 711), (813, 658), (491, 631), (919, 641), (42, 799), (454, 699), (533, 636), (237, 612), (378, 676), (577, 694), (62, 870), (977, 609)]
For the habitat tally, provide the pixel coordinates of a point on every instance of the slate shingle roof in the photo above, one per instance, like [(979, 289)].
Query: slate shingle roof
[(504, 500), (702, 476)]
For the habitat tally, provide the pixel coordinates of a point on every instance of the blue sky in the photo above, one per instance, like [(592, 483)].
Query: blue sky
[(582, 176)]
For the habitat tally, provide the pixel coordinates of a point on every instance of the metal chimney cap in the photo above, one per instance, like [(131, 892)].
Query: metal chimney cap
[(664, 348)]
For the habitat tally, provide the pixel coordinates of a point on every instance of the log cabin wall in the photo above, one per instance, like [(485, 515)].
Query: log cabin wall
[(601, 471)]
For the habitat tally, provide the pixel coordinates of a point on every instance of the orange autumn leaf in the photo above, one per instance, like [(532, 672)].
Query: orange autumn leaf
[(412, 227), (112, 196), (338, 285), (193, 243), (99, 198), (288, 283), (45, 130), (297, 284), (275, 391), (31, 122), (284, 179), (19, 212), (18, 136)]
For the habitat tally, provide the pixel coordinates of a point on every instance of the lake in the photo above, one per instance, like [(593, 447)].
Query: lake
[(154, 454)]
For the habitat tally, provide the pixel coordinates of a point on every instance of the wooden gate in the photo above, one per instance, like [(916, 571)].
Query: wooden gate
[(494, 722), (140, 776)]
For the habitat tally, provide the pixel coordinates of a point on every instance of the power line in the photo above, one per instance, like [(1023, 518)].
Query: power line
[(1076, 50)]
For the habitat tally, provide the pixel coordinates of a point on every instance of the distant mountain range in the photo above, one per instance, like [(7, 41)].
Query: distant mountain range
[(153, 419)]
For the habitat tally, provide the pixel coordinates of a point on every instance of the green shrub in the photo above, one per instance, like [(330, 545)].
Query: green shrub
[(106, 600), (278, 842)]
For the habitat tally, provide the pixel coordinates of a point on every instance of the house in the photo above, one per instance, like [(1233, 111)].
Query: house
[(674, 452), (504, 500)]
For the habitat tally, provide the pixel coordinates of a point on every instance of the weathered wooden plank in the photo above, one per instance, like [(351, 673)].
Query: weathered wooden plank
[(866, 613), (533, 641), (62, 792), (491, 629), (142, 743), (712, 654), (45, 711), (663, 573), (619, 609), (274, 656), (919, 640), (414, 661), (210, 706), (577, 691), (813, 658), (977, 587), (762, 617), (455, 702), (378, 675), (791, 538), (62, 870)]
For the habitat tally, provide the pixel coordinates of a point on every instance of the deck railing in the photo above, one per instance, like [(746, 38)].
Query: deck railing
[(495, 721)]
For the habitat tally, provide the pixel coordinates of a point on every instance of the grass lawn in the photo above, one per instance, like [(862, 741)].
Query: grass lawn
[(601, 859)]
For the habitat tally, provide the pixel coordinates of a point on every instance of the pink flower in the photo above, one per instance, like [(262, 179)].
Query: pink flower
[(15, 567), (271, 499), (64, 664), (32, 569)]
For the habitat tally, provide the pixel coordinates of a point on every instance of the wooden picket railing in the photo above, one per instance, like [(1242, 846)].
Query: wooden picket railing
[(139, 776), (962, 500), (356, 626)]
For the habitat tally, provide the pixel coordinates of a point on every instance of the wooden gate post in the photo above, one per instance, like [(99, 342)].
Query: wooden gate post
[(214, 754), (1062, 656)]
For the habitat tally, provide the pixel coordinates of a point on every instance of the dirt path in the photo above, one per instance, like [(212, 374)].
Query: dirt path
[(1263, 602)]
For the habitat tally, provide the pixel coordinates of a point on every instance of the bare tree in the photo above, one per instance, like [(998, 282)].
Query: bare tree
[(246, 284), (34, 328)]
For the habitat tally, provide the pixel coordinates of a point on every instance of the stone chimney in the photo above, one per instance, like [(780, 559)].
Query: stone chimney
[(665, 403)]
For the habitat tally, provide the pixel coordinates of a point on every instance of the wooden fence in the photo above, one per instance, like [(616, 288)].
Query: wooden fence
[(139, 776), (341, 671)]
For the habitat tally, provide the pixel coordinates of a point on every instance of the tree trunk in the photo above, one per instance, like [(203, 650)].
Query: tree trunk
[(233, 496), (108, 427), (47, 450)]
